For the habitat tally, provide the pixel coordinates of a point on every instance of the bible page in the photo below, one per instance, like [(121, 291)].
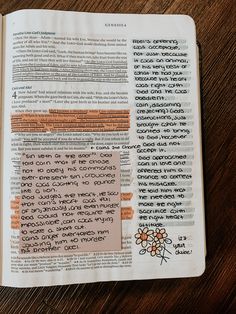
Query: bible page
[(102, 163)]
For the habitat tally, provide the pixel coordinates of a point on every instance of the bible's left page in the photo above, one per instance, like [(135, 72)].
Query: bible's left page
[(102, 148)]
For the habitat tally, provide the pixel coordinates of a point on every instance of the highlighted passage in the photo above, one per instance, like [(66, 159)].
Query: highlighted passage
[(15, 217), (72, 121), (127, 213), (70, 202), (126, 196)]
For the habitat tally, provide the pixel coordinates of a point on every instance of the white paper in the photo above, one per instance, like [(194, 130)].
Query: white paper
[(81, 61)]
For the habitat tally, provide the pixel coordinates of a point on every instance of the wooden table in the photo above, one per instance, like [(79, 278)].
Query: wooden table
[(214, 291)]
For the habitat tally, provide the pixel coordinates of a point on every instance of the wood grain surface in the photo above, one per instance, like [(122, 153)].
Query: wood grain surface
[(214, 291)]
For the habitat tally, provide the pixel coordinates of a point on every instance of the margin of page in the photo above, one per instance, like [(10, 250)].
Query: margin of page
[(201, 147)]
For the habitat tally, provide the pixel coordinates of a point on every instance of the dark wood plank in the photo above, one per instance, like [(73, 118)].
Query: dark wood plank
[(214, 292)]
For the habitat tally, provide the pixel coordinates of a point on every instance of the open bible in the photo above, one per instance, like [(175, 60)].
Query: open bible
[(101, 166)]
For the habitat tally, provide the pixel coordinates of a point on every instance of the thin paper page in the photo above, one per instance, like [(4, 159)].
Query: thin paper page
[(81, 82)]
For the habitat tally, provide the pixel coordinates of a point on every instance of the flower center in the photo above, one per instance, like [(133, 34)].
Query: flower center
[(143, 236)]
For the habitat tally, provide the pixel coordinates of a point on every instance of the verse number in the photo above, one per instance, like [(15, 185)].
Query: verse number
[(14, 95)]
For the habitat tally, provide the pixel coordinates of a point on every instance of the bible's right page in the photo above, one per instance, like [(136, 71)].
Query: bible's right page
[(117, 95)]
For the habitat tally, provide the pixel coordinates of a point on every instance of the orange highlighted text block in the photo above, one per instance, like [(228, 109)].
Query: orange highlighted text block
[(60, 120), (15, 217), (127, 213), (126, 196)]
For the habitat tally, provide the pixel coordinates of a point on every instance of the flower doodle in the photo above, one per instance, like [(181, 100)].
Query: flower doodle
[(160, 235), (156, 242), (143, 236), (154, 249)]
